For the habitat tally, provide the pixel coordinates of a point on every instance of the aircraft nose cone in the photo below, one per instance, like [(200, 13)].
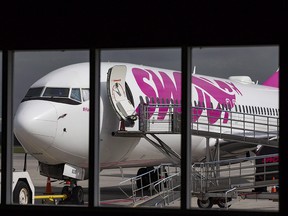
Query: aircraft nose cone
[(35, 125)]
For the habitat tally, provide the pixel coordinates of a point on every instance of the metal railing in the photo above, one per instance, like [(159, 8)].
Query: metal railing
[(209, 179), (215, 123), (150, 184), (250, 172)]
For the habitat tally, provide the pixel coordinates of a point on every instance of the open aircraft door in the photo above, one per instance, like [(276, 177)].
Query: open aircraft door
[(117, 95)]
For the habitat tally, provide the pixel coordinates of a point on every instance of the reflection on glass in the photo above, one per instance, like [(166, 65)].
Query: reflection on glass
[(238, 116)]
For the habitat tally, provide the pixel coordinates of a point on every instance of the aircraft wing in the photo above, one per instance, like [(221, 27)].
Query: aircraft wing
[(245, 143), (270, 139)]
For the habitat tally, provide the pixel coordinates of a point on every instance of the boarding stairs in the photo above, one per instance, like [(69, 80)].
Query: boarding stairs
[(218, 178), (158, 187), (227, 181)]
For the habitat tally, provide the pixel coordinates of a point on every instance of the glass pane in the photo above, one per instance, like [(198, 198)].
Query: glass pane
[(236, 159), (34, 92), (75, 94), (56, 92), (85, 94), (53, 132), (141, 102)]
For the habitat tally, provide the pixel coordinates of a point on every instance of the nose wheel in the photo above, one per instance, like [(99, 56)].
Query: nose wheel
[(77, 195), (74, 194)]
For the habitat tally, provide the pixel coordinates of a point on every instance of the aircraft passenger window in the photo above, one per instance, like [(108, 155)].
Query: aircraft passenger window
[(34, 92), (85, 94), (262, 111), (240, 108), (243, 108), (273, 111), (56, 92), (75, 94), (229, 106), (147, 100), (158, 100)]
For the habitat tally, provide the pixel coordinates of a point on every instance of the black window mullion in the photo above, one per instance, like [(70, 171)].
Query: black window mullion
[(186, 128), (94, 136), (7, 125)]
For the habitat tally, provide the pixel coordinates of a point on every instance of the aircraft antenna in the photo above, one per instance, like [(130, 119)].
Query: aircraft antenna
[(194, 70)]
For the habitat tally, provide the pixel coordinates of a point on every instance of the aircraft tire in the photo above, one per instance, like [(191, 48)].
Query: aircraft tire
[(22, 194), (66, 191), (77, 195)]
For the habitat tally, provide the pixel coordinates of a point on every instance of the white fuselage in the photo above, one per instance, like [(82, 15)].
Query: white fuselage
[(56, 131)]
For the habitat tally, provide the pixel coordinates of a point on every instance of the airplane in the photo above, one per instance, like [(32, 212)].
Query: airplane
[(52, 120)]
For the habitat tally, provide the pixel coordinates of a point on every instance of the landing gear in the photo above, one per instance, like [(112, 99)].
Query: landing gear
[(74, 194), (77, 195), (144, 178), (66, 191), (147, 177)]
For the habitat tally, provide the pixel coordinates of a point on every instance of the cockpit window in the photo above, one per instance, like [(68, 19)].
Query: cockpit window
[(56, 92), (70, 96), (75, 94), (85, 94), (34, 92)]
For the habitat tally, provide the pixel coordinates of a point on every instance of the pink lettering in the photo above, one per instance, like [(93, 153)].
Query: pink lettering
[(168, 88), (140, 77), (86, 109)]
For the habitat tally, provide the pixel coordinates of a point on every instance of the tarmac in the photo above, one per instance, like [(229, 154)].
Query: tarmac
[(112, 196)]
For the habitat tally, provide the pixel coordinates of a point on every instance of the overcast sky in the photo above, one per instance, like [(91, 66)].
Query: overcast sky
[(257, 62)]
